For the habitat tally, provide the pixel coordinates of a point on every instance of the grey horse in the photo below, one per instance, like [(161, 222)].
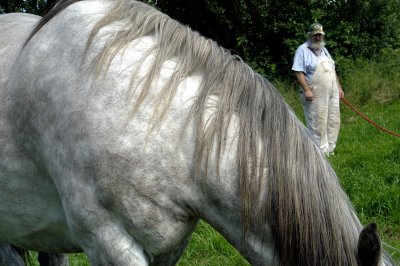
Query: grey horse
[(121, 128)]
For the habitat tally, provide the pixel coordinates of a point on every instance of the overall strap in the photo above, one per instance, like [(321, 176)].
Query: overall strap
[(315, 53)]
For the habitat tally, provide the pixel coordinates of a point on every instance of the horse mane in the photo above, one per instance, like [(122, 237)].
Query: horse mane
[(310, 216)]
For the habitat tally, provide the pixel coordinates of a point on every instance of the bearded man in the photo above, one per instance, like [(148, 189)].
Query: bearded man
[(320, 89)]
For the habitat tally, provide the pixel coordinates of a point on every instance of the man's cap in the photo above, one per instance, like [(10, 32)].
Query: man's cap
[(316, 28)]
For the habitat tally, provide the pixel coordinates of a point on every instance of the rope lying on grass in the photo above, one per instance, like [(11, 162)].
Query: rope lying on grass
[(367, 119)]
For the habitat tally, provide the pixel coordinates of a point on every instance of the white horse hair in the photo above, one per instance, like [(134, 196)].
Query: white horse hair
[(121, 128)]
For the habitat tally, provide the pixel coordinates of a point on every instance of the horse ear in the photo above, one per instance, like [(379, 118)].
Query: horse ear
[(369, 246)]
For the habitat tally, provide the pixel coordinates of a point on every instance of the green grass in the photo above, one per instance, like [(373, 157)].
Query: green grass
[(209, 248), (367, 161)]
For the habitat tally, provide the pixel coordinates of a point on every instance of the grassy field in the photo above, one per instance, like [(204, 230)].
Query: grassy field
[(366, 160)]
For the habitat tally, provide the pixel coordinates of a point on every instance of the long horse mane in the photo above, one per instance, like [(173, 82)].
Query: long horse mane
[(310, 216)]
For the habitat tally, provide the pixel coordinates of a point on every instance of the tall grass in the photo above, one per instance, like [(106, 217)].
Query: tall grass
[(372, 82), (366, 160)]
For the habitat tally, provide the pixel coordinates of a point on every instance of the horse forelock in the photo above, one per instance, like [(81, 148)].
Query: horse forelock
[(310, 217)]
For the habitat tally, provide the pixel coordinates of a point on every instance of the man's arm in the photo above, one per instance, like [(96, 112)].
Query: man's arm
[(308, 93), (341, 93)]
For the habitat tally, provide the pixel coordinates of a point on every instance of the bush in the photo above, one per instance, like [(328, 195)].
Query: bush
[(371, 81)]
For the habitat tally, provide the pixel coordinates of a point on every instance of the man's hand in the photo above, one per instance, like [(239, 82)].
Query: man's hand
[(309, 95), (303, 83), (341, 93)]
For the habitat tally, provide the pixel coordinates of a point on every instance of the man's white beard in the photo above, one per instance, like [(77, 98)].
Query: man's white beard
[(317, 45)]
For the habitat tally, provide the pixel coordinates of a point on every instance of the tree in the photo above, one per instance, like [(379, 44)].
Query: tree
[(265, 33), (38, 7)]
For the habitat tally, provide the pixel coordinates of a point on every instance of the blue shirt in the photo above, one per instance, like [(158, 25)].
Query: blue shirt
[(306, 61)]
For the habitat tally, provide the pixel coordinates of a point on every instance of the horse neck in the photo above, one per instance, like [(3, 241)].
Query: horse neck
[(222, 211), (220, 207)]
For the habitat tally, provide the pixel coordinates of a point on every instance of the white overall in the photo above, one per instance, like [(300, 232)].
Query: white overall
[(322, 113)]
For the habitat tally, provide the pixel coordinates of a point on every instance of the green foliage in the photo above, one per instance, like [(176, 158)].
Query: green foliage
[(39, 7), (373, 81), (266, 33)]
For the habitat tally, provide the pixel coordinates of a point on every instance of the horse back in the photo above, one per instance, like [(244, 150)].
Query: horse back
[(85, 151), (26, 190)]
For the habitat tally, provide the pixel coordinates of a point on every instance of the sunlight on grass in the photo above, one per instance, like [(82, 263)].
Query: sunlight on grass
[(208, 247)]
